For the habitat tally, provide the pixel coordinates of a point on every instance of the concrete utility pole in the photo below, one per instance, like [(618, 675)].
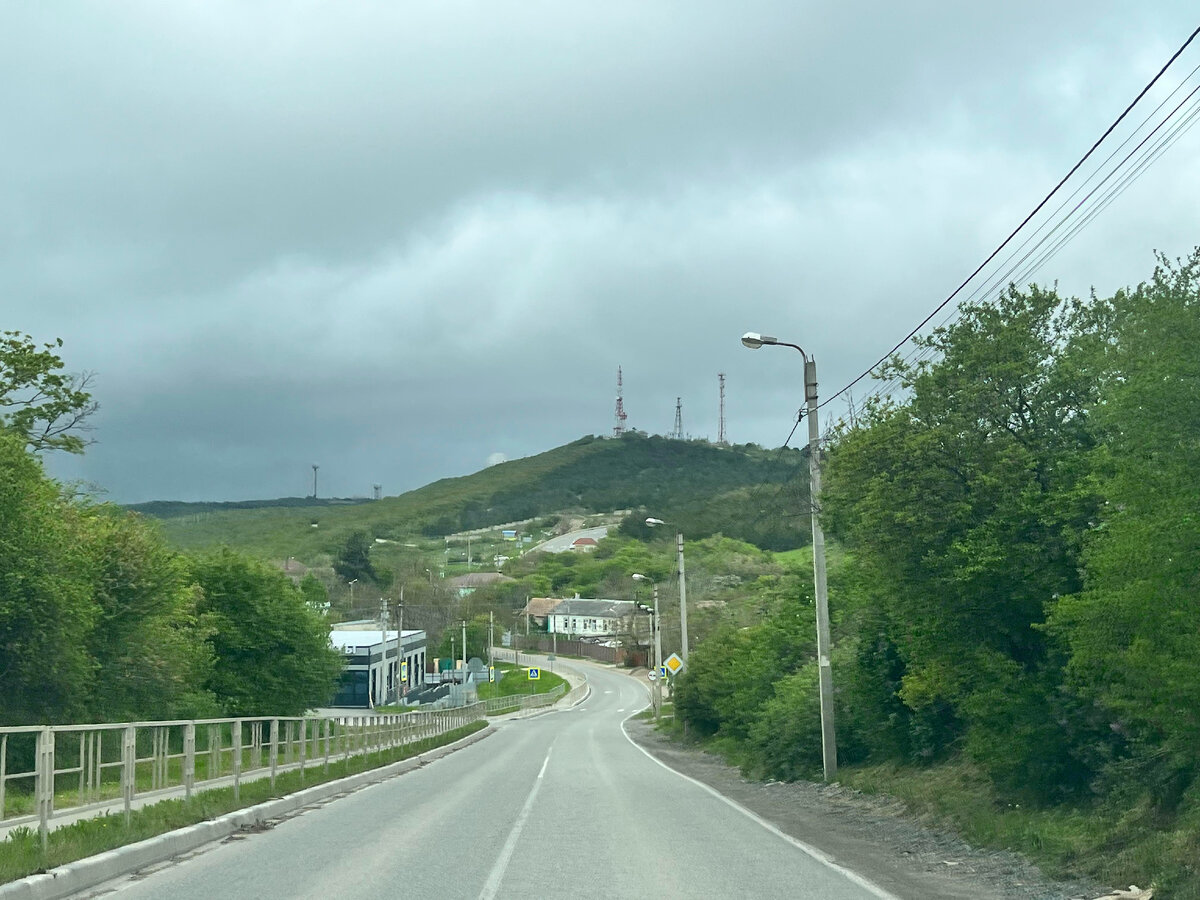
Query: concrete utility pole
[(491, 640), (683, 628), (657, 692), (464, 650), (824, 669), (401, 677), (383, 648)]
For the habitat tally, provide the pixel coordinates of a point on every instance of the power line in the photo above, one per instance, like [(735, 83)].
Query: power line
[(1019, 227)]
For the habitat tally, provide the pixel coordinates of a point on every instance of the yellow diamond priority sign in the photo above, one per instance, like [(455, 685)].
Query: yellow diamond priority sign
[(673, 664)]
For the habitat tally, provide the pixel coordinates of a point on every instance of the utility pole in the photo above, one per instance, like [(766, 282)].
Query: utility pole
[(683, 635), (657, 657), (383, 648), (400, 646), (491, 639), (464, 650), (315, 467), (828, 733)]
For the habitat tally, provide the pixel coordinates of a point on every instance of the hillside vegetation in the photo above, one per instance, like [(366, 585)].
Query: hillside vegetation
[(742, 491)]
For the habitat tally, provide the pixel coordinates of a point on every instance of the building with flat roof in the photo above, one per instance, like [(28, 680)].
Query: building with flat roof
[(373, 674)]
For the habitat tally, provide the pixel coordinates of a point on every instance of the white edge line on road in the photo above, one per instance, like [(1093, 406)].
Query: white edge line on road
[(819, 855), (496, 876)]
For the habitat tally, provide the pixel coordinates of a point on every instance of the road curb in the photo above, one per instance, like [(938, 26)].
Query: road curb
[(82, 874)]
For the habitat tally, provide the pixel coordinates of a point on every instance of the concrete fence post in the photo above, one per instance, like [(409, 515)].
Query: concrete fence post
[(235, 755), (129, 769), (189, 759), (274, 751), (44, 782)]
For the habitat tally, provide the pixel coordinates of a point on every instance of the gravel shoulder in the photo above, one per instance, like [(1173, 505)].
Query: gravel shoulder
[(871, 835)]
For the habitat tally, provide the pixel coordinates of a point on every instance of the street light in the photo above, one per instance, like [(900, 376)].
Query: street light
[(683, 640), (657, 646), (352, 582), (828, 734)]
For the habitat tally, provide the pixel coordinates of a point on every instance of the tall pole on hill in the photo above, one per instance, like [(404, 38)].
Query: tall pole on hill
[(828, 734)]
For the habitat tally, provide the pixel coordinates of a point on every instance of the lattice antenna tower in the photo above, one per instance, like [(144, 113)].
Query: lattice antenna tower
[(619, 417), (678, 432), (721, 415)]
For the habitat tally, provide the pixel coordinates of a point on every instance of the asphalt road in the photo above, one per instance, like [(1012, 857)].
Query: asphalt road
[(559, 805), (563, 542)]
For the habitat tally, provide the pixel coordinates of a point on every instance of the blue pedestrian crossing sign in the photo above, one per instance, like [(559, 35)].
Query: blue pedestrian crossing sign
[(662, 671), (535, 674)]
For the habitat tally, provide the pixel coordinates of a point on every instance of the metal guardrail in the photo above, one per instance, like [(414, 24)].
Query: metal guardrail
[(57, 770), (516, 702)]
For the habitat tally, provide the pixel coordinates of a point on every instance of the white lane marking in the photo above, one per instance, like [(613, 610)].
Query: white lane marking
[(608, 692), (816, 854), (622, 709), (492, 885)]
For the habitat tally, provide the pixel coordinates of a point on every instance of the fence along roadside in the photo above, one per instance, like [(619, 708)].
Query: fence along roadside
[(77, 769)]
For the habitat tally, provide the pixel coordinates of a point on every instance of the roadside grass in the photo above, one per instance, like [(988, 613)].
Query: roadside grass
[(1119, 847), (21, 853), (515, 682)]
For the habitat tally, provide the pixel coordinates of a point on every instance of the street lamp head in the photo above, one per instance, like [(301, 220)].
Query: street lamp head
[(637, 577), (652, 522), (754, 340)]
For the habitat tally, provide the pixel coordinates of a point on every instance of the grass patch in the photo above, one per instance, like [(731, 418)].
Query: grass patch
[(21, 853), (1117, 846), (515, 683)]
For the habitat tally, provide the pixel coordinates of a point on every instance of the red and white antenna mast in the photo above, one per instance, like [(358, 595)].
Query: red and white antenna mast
[(620, 417)]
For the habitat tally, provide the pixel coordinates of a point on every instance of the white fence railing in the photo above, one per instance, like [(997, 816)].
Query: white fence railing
[(48, 771)]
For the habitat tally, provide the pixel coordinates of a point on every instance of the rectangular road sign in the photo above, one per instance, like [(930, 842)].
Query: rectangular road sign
[(404, 672), (662, 671), (535, 674), (673, 664), (491, 673)]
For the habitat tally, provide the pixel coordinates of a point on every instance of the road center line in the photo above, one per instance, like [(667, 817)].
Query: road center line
[(492, 885)]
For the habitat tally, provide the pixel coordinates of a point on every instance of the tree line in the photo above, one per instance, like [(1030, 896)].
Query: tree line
[(1022, 563), (100, 620)]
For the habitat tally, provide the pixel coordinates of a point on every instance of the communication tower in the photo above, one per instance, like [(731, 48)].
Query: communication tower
[(315, 467), (678, 432), (378, 491), (619, 417), (721, 416)]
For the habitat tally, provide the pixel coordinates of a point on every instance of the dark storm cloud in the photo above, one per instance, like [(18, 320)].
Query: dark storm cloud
[(397, 238)]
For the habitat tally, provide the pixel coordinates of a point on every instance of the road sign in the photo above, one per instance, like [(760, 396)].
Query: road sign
[(491, 673), (535, 674), (662, 671), (674, 664), (404, 672), (652, 675)]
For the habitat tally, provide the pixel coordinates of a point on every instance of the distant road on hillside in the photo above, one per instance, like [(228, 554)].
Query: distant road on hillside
[(564, 541)]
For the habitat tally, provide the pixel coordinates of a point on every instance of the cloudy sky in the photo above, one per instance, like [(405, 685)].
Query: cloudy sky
[(396, 239)]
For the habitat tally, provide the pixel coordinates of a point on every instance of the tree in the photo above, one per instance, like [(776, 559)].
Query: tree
[(148, 645), (271, 653), (964, 508), (45, 605), (37, 400), (354, 559), (1134, 629)]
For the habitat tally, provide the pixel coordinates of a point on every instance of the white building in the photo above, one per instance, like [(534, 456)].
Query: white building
[(372, 674), (588, 618)]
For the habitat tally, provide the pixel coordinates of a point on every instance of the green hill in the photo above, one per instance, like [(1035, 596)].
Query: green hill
[(743, 491)]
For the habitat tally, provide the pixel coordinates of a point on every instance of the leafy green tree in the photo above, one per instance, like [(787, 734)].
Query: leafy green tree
[(1134, 630), (354, 559), (964, 508), (271, 653), (147, 644), (38, 400), (46, 611)]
